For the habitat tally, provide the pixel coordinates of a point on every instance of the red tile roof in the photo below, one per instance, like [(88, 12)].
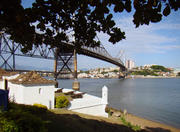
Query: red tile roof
[(5, 73), (31, 78)]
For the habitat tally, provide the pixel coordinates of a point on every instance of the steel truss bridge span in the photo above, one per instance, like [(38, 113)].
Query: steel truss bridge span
[(63, 54)]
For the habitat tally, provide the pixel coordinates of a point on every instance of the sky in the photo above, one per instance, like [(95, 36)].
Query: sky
[(157, 43)]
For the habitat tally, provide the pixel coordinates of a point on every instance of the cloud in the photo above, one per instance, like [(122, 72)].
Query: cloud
[(145, 39), (166, 26), (156, 39)]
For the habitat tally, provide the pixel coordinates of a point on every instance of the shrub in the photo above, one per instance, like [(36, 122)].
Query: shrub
[(8, 126), (40, 106), (108, 110), (128, 124), (21, 118), (61, 102)]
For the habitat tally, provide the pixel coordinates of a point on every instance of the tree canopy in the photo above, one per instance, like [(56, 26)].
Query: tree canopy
[(159, 68), (52, 22)]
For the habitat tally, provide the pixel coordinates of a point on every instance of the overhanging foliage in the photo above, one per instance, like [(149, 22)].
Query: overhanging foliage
[(51, 22)]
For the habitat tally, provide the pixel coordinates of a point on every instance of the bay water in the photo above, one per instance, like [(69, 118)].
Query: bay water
[(154, 99)]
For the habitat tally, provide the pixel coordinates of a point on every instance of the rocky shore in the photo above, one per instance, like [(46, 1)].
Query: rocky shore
[(143, 123), (150, 125)]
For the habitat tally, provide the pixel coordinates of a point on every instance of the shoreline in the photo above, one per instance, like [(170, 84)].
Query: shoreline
[(131, 77), (147, 124), (163, 77)]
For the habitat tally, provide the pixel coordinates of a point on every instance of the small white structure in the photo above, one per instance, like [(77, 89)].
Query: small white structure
[(5, 80), (91, 105), (30, 88), (8, 75)]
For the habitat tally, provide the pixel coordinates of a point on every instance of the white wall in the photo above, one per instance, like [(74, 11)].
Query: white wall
[(15, 93), (1, 84), (29, 94), (96, 110), (90, 104), (42, 94)]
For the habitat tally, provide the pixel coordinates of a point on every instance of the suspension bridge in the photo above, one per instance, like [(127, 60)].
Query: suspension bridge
[(64, 56)]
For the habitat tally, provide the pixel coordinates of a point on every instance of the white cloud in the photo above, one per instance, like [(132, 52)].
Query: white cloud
[(144, 39), (166, 26), (159, 38)]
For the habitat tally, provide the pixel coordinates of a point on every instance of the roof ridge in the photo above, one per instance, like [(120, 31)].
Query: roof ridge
[(31, 78)]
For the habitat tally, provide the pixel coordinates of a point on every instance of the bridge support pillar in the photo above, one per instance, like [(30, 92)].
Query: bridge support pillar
[(55, 67), (121, 75), (76, 84)]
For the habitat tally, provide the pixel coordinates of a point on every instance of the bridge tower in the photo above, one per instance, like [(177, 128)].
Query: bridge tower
[(63, 62), (76, 84), (7, 52), (121, 56), (62, 55), (121, 73)]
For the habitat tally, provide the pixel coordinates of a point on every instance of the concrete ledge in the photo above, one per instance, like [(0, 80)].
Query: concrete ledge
[(89, 104), (96, 110)]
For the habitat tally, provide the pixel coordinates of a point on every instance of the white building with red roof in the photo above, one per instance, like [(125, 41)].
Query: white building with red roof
[(30, 88)]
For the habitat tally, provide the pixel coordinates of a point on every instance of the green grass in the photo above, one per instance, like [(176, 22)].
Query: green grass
[(22, 118), (128, 124), (60, 120)]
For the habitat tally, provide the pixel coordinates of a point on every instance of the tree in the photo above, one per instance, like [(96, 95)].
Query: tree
[(159, 68), (52, 22)]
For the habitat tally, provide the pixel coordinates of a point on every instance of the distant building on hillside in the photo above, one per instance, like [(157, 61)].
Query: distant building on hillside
[(129, 64), (176, 71), (147, 66)]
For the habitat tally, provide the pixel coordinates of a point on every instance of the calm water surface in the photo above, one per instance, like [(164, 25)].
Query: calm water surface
[(153, 99)]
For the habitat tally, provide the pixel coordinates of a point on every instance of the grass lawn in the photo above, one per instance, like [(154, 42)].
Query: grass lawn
[(68, 121), (29, 118)]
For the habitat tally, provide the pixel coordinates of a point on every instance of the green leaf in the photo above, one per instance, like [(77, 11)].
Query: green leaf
[(167, 11), (128, 5)]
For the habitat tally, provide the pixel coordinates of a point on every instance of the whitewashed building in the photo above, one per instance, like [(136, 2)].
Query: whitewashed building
[(6, 76), (30, 88), (91, 105)]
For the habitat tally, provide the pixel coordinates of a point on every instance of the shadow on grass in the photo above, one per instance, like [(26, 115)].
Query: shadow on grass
[(75, 123), (64, 122), (157, 129)]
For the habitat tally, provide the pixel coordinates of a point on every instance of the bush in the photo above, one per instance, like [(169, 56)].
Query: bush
[(20, 118), (40, 106), (128, 124), (61, 102), (8, 126)]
